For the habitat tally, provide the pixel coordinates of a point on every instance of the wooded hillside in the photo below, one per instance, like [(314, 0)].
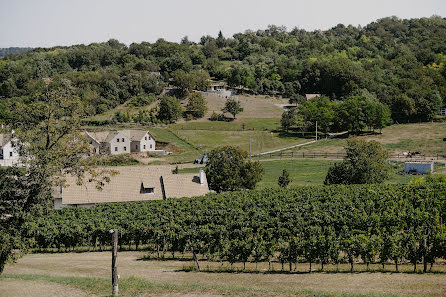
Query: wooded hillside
[(401, 62)]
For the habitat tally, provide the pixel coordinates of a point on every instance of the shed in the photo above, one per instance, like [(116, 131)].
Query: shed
[(419, 167)]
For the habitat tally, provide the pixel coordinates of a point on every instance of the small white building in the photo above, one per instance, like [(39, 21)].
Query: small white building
[(121, 142), (109, 142), (8, 153), (419, 167), (140, 140)]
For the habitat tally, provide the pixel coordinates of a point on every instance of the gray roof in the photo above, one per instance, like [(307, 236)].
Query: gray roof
[(126, 186), (135, 135), (107, 136), (4, 139)]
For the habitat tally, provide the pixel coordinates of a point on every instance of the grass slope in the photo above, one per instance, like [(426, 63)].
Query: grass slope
[(312, 172), (426, 138)]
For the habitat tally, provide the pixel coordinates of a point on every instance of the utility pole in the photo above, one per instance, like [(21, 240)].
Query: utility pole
[(250, 147), (316, 130), (115, 275)]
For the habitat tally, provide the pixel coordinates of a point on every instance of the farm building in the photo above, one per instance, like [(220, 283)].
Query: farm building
[(8, 153), (133, 183), (121, 142), (219, 88), (311, 96), (418, 167)]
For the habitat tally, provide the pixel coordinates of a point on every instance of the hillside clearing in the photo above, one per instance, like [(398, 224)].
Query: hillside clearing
[(426, 138)]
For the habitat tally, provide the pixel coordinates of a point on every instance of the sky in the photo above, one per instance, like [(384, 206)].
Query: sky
[(46, 23)]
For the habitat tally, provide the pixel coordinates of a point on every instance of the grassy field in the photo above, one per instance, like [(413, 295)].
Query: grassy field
[(260, 122), (88, 274), (426, 138), (206, 140), (312, 172)]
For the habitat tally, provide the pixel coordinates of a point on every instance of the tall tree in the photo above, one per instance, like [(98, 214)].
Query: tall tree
[(197, 106), (228, 169), (169, 109), (47, 137), (233, 107), (365, 163)]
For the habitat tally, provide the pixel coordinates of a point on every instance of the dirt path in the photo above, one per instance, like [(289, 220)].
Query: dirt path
[(14, 287)]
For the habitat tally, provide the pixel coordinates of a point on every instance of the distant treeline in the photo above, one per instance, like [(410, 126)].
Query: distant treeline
[(331, 224), (13, 50), (399, 62)]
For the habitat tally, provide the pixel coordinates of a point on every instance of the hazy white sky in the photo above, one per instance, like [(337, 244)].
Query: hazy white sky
[(44, 23)]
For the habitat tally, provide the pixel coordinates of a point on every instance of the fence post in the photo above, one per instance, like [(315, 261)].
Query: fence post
[(115, 276)]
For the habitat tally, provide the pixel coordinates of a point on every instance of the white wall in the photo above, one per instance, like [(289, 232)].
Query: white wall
[(121, 147), (94, 146), (10, 153), (147, 143)]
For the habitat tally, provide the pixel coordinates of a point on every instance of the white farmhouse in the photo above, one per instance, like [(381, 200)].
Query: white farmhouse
[(120, 142), (140, 140), (8, 153), (116, 143)]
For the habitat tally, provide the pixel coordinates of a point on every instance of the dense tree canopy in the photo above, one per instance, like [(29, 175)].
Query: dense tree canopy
[(170, 109), (228, 170), (365, 163), (400, 61)]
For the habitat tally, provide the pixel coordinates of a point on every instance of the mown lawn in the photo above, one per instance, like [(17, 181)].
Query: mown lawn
[(312, 172), (87, 274), (426, 138), (206, 140)]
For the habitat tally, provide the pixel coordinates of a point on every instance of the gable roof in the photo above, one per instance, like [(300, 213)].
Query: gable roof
[(127, 186), (135, 135), (4, 139), (107, 136), (311, 96), (100, 136), (111, 135)]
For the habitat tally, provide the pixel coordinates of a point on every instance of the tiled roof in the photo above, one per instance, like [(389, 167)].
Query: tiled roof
[(111, 135), (134, 134), (4, 139), (107, 136), (311, 96), (128, 184), (99, 136)]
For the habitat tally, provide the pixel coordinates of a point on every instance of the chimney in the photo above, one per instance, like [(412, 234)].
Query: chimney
[(202, 176)]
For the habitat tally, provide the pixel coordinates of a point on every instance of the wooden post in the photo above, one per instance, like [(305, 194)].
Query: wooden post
[(115, 277)]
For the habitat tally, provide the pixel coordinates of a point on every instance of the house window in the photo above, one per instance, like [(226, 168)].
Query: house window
[(10, 154), (136, 146), (125, 148), (145, 138), (144, 146), (150, 146), (117, 140), (123, 140), (116, 148), (149, 138)]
